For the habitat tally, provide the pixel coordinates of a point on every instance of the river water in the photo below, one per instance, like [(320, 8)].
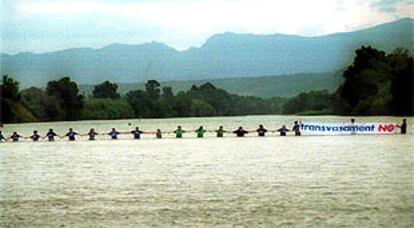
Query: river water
[(323, 181)]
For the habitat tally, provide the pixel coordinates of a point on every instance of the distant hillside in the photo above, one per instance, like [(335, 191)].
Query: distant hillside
[(269, 86), (225, 55)]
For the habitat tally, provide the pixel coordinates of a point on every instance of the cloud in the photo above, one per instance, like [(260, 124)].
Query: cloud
[(390, 6), (45, 25)]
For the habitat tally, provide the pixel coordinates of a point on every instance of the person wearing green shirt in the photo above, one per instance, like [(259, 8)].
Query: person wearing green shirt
[(179, 132), (220, 132), (200, 132)]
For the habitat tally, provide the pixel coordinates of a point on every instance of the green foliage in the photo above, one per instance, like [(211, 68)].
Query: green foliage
[(43, 106), (106, 109), (378, 84), (106, 90), (9, 88), (66, 91), (14, 112), (319, 101)]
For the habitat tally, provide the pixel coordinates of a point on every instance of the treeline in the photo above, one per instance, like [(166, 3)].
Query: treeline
[(60, 100), (375, 84)]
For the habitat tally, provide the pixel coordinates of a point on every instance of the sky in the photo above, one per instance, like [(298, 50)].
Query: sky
[(49, 25)]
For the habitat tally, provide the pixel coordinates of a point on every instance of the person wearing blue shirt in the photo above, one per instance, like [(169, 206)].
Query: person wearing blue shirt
[(35, 137), (283, 130), (114, 133), (92, 133), (15, 137), (137, 133), (50, 135), (71, 134), (261, 131)]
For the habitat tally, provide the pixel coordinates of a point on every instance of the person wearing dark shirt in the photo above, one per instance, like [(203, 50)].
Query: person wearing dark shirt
[(114, 134), (283, 130), (15, 137), (35, 137), (261, 131), (137, 133), (2, 137), (71, 134), (50, 135), (220, 132), (403, 127), (240, 132), (158, 134), (92, 134), (200, 132), (296, 128)]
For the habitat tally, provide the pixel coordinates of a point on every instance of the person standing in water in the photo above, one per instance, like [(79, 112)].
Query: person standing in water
[(261, 131), (51, 135), (220, 132), (283, 130), (35, 137), (403, 127), (2, 138), (114, 133), (200, 132), (92, 134), (158, 134), (71, 134), (179, 132), (296, 128), (15, 137), (137, 133), (240, 132)]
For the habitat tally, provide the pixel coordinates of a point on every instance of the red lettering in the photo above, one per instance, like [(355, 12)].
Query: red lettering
[(386, 128)]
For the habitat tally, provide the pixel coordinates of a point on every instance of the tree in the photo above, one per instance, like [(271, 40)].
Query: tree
[(402, 102), (152, 87), (9, 88), (43, 106), (140, 102), (106, 90), (66, 92)]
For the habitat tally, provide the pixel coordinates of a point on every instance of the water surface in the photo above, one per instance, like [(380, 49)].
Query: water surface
[(357, 181)]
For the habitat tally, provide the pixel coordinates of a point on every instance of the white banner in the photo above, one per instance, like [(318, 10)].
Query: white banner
[(348, 129)]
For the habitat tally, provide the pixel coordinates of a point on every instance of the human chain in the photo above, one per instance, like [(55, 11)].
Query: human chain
[(136, 133), (179, 132)]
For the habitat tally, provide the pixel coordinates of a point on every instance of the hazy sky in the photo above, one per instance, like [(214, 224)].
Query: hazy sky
[(48, 25)]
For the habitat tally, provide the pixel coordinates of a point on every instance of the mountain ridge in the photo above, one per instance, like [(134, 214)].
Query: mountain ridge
[(225, 55)]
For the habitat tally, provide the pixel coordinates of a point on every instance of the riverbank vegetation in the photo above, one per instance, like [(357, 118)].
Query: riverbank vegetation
[(376, 83)]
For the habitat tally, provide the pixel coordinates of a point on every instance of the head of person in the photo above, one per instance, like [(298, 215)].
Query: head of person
[(70, 129), (137, 128), (50, 130), (200, 128), (404, 121), (221, 127), (296, 122), (240, 128), (179, 127), (14, 133), (283, 126), (35, 132), (261, 126), (113, 129), (158, 130), (92, 130), (352, 120)]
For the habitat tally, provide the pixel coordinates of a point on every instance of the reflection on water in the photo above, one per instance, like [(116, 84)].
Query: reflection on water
[(356, 181)]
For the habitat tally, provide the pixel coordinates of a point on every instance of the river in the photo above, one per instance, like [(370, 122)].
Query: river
[(322, 181)]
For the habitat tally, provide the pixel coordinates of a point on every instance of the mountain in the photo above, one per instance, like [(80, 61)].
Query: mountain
[(225, 55)]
